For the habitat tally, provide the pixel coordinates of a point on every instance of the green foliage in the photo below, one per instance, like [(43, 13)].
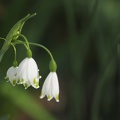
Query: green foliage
[(25, 101)]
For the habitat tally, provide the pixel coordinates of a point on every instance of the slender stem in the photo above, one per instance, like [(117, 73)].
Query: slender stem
[(3, 39), (39, 45), (35, 44), (27, 43), (14, 51)]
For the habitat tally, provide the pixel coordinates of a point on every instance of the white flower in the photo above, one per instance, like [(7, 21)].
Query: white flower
[(11, 75), (28, 73), (51, 87)]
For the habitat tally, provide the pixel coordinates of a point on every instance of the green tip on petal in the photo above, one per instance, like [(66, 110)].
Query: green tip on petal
[(18, 82), (57, 98), (29, 53), (14, 82), (26, 85), (37, 86), (34, 81), (53, 66), (22, 80), (49, 97)]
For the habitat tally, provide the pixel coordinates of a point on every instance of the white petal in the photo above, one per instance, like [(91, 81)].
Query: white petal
[(11, 74), (33, 73), (46, 86), (22, 71), (55, 86), (32, 69)]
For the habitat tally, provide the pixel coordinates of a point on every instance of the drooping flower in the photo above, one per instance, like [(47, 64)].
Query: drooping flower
[(11, 75), (28, 73), (51, 87)]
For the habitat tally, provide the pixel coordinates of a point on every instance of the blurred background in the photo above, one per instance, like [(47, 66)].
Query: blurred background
[(83, 36)]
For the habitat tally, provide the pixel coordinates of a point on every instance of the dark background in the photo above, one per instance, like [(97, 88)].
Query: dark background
[(83, 36)]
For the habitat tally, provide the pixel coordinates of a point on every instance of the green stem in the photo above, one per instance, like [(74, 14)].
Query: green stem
[(46, 49), (3, 39), (35, 44), (27, 43), (14, 51)]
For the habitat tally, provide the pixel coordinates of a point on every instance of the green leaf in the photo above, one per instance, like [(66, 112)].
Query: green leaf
[(16, 29), (26, 102)]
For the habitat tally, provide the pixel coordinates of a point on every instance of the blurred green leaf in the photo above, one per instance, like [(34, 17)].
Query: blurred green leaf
[(25, 101)]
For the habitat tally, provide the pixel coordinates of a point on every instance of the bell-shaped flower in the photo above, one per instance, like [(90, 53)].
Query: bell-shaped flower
[(28, 73), (11, 75), (51, 87)]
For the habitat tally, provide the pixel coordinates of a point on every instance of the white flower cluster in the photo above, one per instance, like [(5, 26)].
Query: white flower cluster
[(27, 73)]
